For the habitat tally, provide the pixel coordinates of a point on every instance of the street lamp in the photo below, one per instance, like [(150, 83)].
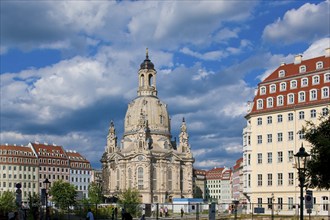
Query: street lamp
[(47, 182), (301, 161)]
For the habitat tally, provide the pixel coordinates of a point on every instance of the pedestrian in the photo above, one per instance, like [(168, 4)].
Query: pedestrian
[(123, 214), (166, 211), (116, 213), (90, 215), (161, 212), (182, 212), (143, 217)]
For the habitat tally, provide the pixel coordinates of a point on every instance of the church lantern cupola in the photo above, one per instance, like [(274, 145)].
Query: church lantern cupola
[(147, 78)]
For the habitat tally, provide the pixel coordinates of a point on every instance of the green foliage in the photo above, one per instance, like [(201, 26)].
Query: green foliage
[(7, 201), (94, 193), (63, 194), (317, 167), (130, 200), (34, 203)]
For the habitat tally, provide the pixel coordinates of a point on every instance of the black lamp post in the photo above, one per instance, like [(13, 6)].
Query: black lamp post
[(301, 161), (46, 182)]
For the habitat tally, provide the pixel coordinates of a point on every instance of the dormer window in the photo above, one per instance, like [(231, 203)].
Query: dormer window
[(272, 88), (260, 104), (262, 90), (280, 100), (302, 69), (327, 77), (281, 73), (270, 102), (316, 80), (301, 97), (290, 98), (319, 65), (304, 82), (325, 92), (293, 84), (283, 86), (313, 94)]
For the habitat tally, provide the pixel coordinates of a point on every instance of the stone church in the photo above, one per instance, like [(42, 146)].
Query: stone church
[(147, 159)]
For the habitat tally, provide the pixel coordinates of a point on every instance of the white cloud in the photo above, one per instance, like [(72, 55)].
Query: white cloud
[(307, 23)]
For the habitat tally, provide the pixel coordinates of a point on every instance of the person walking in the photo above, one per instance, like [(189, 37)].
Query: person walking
[(90, 215), (182, 212)]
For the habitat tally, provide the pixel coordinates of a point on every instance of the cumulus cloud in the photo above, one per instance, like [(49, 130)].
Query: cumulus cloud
[(307, 23)]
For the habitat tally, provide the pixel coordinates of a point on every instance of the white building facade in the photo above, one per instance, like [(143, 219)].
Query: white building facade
[(289, 96)]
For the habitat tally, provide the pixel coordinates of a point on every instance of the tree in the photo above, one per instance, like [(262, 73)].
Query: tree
[(317, 167), (7, 201), (130, 200), (63, 194), (94, 193)]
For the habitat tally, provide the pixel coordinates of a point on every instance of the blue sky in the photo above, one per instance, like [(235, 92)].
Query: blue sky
[(70, 67)]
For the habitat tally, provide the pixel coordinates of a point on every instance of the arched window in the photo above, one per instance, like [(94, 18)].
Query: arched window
[(140, 178), (129, 178), (118, 179), (281, 73), (313, 94), (280, 100), (154, 177), (327, 77), (142, 80), (290, 98), (260, 104), (269, 102), (302, 69), (150, 80), (262, 90), (316, 80), (304, 82), (293, 84), (325, 92), (169, 179), (319, 65), (282, 86), (301, 96), (272, 88)]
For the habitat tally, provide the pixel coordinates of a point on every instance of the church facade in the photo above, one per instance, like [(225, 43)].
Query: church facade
[(147, 159)]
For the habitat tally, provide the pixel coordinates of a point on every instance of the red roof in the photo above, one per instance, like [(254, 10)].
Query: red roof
[(292, 72)]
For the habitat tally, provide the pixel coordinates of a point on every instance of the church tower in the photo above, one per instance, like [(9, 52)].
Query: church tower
[(147, 158)]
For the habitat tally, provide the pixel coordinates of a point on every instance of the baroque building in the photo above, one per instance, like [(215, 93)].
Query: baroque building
[(291, 95), (147, 159)]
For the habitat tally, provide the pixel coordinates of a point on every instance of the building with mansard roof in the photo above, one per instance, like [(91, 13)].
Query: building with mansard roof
[(291, 95), (146, 158)]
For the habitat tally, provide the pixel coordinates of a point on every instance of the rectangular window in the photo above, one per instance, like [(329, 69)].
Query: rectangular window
[(290, 135), (279, 157), (280, 179), (259, 121), (280, 203), (290, 156), (290, 117), (269, 157), (259, 138), (290, 178), (259, 179), (259, 158), (279, 118), (313, 113), (290, 203), (269, 179), (269, 138), (301, 115), (269, 120), (280, 137), (259, 202)]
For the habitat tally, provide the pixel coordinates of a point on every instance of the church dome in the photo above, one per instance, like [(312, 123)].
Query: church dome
[(150, 109)]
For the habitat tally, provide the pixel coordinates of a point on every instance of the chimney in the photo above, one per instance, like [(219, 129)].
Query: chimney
[(327, 52), (297, 59)]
